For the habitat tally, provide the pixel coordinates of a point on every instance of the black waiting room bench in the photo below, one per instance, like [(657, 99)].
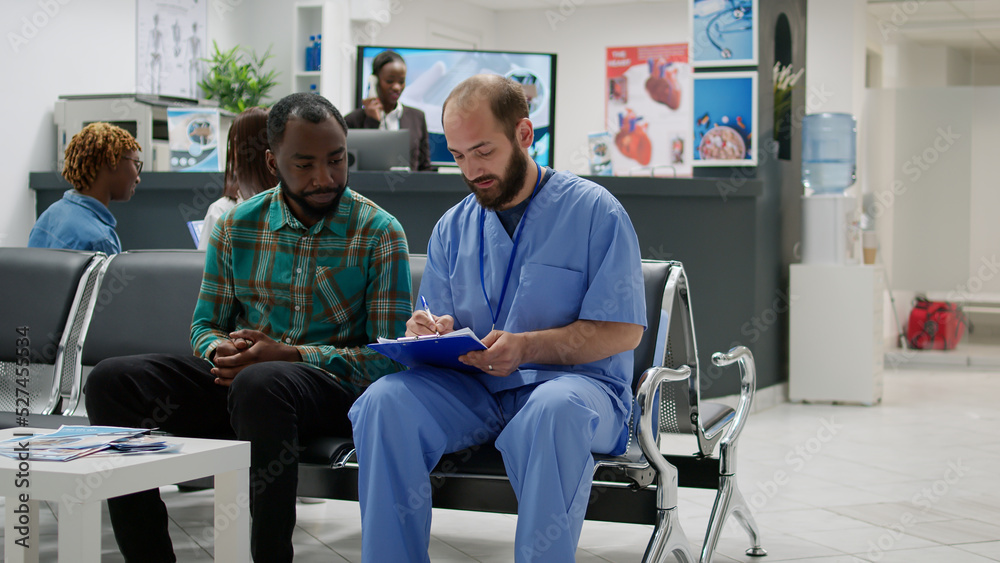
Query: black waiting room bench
[(78, 308)]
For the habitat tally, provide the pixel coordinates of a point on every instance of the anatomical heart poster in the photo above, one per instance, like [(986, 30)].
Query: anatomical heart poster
[(648, 110)]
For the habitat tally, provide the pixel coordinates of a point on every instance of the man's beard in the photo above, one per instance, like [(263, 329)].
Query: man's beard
[(301, 199), (507, 187)]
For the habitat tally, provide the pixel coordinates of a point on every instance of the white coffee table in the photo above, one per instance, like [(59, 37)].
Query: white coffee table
[(80, 485)]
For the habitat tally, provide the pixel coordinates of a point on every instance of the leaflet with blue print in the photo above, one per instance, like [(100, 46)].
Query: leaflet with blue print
[(72, 442)]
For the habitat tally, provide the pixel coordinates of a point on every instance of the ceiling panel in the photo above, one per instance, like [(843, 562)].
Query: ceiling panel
[(508, 5), (958, 39), (904, 12), (971, 25), (978, 8)]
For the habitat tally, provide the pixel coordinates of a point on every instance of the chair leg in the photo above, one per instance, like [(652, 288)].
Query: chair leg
[(668, 539), (728, 501)]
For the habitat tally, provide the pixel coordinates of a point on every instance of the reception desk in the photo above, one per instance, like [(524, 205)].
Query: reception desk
[(724, 231)]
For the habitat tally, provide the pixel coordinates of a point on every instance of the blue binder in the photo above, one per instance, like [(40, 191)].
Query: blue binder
[(438, 351)]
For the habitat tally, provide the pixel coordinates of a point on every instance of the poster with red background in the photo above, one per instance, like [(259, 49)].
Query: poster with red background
[(648, 110)]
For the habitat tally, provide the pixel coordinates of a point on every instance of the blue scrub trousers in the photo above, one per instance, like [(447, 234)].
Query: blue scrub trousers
[(546, 433)]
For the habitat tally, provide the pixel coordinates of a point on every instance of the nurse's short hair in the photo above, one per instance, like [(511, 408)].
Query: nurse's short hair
[(505, 97)]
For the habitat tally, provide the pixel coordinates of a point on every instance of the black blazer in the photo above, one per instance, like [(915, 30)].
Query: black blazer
[(413, 120)]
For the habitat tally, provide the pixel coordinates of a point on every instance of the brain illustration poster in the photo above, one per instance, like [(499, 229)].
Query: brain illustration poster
[(648, 109)]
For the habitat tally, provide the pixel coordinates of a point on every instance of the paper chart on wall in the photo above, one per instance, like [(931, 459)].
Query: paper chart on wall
[(171, 39)]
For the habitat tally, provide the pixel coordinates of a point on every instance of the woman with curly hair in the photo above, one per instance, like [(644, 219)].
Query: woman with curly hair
[(102, 165)]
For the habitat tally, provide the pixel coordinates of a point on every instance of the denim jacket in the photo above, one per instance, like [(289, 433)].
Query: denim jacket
[(76, 222)]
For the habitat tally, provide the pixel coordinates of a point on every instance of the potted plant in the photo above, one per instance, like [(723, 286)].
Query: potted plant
[(237, 78), (784, 81)]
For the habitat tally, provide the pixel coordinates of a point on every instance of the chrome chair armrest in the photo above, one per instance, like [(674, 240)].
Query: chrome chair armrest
[(748, 385), (666, 474), (346, 458)]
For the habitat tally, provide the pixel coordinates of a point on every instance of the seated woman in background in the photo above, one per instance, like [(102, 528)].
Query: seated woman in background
[(103, 165), (246, 169), (383, 111)]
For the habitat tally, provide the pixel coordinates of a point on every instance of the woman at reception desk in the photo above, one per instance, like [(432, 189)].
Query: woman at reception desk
[(382, 110)]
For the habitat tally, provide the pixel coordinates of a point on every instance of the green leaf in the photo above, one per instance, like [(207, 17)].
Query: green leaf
[(237, 77)]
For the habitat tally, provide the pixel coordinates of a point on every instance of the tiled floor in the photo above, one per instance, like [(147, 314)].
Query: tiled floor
[(913, 480)]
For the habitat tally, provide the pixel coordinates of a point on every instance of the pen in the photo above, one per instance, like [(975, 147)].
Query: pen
[(427, 309)]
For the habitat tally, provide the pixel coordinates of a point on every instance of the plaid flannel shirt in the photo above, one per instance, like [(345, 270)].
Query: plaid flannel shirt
[(327, 290)]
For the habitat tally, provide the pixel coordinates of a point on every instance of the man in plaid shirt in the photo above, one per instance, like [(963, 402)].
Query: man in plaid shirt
[(297, 281)]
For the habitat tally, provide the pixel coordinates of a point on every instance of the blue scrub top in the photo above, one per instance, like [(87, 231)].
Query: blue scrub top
[(578, 258), (76, 222)]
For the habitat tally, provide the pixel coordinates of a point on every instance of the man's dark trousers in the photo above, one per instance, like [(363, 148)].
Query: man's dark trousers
[(273, 405)]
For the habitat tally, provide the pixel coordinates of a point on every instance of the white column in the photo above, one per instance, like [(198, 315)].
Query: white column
[(836, 34), (337, 75), (836, 38)]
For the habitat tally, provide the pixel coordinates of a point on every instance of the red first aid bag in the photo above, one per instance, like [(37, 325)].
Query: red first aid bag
[(935, 325)]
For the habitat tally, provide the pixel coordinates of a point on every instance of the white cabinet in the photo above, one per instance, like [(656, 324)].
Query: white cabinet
[(334, 80), (835, 334)]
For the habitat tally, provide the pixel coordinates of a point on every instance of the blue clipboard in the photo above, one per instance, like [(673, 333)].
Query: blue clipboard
[(437, 351)]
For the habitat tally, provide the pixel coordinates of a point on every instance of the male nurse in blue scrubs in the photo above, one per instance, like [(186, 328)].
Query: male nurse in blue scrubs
[(545, 268)]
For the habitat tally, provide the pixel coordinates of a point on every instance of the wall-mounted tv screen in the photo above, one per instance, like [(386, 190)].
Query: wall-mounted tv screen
[(431, 74)]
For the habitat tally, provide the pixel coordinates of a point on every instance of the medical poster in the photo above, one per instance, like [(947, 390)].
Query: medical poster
[(648, 105), (194, 139), (725, 113), (723, 33), (171, 37)]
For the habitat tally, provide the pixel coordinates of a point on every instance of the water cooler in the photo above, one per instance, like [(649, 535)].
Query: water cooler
[(830, 233), (835, 344)]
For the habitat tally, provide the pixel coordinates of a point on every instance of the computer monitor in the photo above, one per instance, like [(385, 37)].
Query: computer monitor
[(375, 149), (432, 73)]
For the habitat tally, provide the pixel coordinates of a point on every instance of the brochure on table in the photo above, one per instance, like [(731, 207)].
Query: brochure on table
[(72, 442)]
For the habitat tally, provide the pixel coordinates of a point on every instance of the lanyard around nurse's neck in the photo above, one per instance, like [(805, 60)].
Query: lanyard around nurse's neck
[(510, 264)]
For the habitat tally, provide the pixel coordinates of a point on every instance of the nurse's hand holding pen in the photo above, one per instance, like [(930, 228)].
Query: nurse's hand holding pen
[(422, 322)]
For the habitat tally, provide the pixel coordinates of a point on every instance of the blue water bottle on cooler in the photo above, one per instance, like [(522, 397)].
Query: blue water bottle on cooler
[(829, 146)]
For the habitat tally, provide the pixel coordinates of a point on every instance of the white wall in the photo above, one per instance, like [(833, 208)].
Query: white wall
[(985, 73), (933, 158), (958, 71), (921, 66), (936, 196), (984, 203), (46, 65), (256, 24), (428, 23), (81, 48), (422, 24), (932, 150)]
